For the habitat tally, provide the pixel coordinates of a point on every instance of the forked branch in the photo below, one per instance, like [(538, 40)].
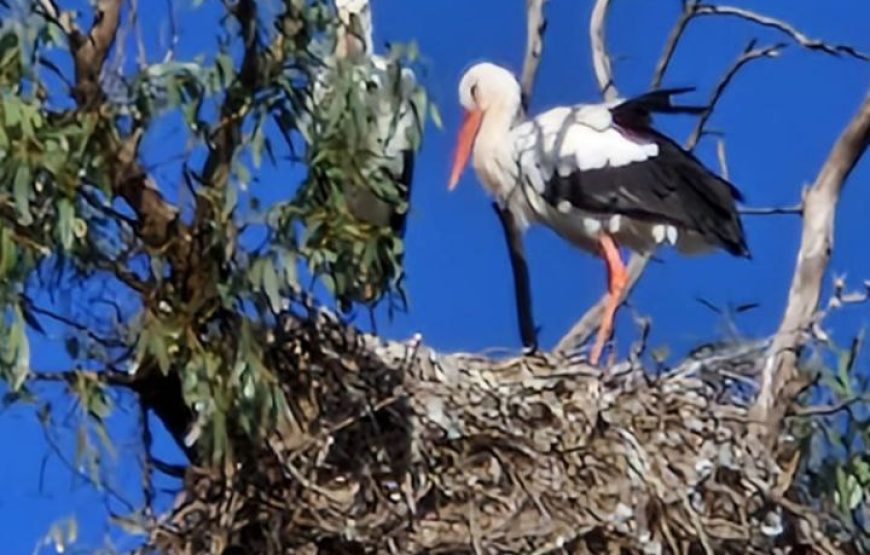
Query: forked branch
[(693, 9), (780, 25), (749, 53)]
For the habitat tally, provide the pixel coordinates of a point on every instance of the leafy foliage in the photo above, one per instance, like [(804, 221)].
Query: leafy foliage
[(172, 291), (367, 120), (834, 437)]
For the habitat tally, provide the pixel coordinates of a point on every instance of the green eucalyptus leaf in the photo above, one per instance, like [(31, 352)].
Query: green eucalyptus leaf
[(270, 285), (21, 188), (65, 223)]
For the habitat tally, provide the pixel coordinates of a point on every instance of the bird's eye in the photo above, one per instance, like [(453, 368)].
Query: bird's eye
[(474, 92)]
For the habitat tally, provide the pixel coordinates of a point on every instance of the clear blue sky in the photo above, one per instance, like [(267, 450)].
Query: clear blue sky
[(780, 118)]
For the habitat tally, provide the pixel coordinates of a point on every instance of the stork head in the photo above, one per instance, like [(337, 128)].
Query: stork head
[(354, 28), (485, 89)]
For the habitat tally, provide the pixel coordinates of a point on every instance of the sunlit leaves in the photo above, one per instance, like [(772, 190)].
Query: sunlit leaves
[(158, 338)]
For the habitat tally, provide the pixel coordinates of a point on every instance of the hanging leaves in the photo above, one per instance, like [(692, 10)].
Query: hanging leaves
[(363, 125)]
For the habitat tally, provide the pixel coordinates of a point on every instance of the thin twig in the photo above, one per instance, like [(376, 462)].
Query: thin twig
[(820, 203), (827, 410), (78, 471), (749, 53), (671, 43), (787, 28), (35, 309), (797, 209), (692, 9)]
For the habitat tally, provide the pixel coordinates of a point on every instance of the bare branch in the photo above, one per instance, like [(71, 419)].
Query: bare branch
[(780, 25), (693, 8), (582, 330), (817, 238), (536, 24), (600, 58), (671, 43), (749, 53)]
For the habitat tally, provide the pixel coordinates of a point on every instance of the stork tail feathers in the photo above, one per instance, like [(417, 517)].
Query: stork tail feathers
[(635, 112)]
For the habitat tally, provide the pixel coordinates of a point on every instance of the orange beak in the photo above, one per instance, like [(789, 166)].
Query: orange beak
[(470, 124)]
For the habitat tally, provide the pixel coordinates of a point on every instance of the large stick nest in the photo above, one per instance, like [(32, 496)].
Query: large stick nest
[(395, 448)]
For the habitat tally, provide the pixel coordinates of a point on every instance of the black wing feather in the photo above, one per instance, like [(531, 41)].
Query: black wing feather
[(636, 113), (674, 187)]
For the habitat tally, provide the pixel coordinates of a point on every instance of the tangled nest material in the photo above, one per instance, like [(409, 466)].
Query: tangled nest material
[(397, 449)]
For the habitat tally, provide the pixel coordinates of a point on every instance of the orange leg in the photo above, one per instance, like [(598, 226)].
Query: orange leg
[(617, 279)]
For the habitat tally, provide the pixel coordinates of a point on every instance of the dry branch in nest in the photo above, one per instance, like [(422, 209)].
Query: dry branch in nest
[(397, 449)]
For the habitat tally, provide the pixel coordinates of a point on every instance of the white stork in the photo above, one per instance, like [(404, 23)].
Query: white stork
[(597, 174), (389, 94)]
